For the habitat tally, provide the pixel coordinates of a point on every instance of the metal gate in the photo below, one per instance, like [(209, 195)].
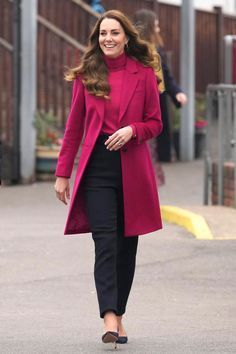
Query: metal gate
[(220, 157), (9, 90)]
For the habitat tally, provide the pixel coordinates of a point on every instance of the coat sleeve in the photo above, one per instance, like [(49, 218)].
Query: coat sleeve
[(151, 125), (171, 87), (73, 132)]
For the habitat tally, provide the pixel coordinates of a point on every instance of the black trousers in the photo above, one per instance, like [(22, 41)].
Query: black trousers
[(115, 255)]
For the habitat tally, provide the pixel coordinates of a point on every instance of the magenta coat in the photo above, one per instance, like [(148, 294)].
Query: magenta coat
[(140, 107)]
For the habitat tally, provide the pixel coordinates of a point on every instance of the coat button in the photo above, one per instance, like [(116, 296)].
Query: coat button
[(124, 149)]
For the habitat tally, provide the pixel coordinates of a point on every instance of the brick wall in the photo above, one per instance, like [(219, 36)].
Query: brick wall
[(228, 184)]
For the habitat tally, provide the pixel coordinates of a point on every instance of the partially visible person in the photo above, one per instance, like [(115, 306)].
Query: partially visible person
[(151, 39), (96, 5), (148, 24)]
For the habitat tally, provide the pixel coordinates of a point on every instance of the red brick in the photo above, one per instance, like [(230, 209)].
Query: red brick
[(231, 184), (228, 202), (229, 169), (229, 193)]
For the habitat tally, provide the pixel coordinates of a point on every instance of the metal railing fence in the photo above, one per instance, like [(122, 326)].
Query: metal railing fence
[(220, 151)]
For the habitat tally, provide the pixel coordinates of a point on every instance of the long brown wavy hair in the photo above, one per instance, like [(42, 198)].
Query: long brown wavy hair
[(144, 21), (93, 69)]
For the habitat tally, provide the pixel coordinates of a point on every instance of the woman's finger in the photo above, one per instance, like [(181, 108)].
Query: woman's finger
[(62, 189), (63, 198), (68, 193), (112, 140), (118, 145)]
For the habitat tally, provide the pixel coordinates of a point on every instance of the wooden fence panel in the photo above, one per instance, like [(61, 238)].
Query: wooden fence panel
[(69, 17), (6, 65), (170, 31), (229, 25), (129, 7), (6, 20), (7, 143), (207, 56), (54, 55)]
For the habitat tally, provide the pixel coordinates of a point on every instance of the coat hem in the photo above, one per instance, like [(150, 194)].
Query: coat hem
[(140, 233)]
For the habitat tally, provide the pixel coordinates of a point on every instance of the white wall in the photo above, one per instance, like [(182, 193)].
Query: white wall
[(228, 6)]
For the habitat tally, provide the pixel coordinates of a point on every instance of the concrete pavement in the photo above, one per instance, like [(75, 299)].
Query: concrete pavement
[(182, 203), (183, 298)]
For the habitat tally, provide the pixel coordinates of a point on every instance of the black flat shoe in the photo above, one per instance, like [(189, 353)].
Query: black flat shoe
[(122, 340), (110, 337)]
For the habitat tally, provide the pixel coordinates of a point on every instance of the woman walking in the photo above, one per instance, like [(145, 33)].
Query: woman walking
[(149, 28), (115, 110)]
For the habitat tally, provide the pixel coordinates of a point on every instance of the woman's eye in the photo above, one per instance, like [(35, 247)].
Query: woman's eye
[(113, 33)]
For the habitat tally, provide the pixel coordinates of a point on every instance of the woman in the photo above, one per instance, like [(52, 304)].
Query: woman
[(115, 106), (148, 24)]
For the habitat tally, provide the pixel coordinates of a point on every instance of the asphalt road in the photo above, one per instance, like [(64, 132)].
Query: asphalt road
[(183, 298)]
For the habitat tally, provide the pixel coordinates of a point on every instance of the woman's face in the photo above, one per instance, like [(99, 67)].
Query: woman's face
[(112, 38)]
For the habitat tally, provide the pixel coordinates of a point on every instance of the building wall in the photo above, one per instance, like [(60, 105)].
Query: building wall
[(228, 6)]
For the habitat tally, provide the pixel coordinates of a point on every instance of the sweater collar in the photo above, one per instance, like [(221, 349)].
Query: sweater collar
[(115, 64)]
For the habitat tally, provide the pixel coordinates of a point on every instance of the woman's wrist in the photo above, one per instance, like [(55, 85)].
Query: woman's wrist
[(133, 131), (62, 177)]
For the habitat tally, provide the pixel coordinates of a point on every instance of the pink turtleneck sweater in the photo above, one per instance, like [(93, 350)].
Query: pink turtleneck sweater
[(116, 67)]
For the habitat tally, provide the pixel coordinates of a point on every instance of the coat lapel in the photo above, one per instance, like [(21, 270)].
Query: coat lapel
[(129, 84), (100, 107)]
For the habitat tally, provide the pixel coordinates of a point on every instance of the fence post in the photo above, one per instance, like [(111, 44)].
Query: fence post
[(234, 143), (187, 79), (219, 42), (155, 6), (207, 159), (28, 89), (221, 137), (16, 90)]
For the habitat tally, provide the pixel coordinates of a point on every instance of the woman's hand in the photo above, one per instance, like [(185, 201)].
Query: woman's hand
[(181, 98), (119, 138), (62, 188)]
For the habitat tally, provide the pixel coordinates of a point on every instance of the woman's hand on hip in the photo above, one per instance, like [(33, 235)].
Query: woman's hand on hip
[(62, 188), (119, 138)]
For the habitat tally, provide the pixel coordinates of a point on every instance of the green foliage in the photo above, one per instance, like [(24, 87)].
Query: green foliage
[(175, 114), (200, 114), (47, 128), (200, 107)]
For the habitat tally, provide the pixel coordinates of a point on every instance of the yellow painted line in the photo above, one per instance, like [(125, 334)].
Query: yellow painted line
[(192, 222)]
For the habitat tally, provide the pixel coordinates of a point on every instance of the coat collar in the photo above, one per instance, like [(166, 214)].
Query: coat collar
[(129, 85), (130, 82)]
